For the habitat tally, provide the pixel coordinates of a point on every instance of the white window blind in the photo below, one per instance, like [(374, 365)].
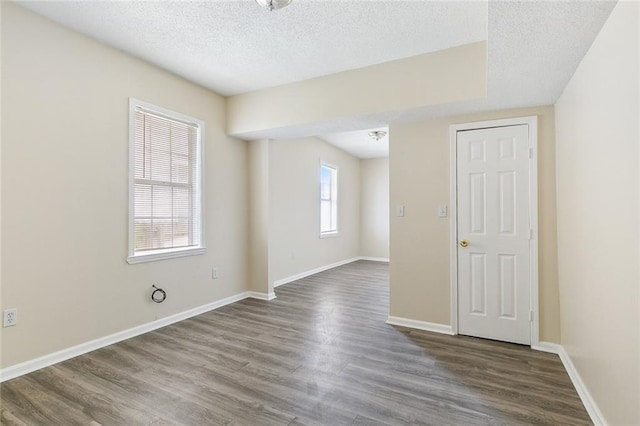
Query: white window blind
[(167, 200), (328, 199)]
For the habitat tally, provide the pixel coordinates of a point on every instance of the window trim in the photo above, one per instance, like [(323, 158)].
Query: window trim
[(161, 254), (334, 233)]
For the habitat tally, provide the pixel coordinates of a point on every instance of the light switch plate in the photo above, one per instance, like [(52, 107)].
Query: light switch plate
[(442, 211), (400, 211)]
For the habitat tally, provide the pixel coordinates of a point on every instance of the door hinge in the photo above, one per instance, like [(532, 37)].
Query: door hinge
[(530, 316), (530, 152), (531, 234)]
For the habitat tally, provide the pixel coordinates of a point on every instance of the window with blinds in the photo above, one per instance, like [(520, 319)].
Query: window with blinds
[(328, 200), (165, 184)]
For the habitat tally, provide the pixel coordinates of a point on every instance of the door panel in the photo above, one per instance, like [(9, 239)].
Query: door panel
[(477, 207), (508, 295), (493, 216), (507, 210), (478, 284)]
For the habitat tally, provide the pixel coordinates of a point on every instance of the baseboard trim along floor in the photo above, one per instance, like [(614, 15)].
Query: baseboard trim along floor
[(587, 400), (314, 271), (248, 358), (375, 259), (421, 325), (74, 351), (68, 353)]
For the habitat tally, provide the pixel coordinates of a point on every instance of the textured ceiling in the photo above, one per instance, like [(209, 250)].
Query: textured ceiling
[(534, 47), (233, 47)]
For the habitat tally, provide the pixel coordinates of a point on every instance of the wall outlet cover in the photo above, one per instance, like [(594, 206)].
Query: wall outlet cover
[(9, 317)]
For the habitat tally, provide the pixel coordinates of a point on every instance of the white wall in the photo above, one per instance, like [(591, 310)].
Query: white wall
[(64, 191), (597, 119), (294, 209), (374, 207)]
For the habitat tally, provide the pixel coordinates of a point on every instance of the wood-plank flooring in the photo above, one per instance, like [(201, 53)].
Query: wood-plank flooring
[(320, 354)]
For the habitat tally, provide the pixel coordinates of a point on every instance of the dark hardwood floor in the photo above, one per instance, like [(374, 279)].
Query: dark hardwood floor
[(320, 354)]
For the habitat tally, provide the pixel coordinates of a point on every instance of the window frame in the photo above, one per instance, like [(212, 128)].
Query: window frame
[(334, 200), (170, 253)]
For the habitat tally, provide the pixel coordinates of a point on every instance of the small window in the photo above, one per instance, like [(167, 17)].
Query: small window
[(328, 200), (165, 184)]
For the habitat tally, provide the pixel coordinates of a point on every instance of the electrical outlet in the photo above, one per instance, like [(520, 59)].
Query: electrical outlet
[(214, 273), (9, 317)]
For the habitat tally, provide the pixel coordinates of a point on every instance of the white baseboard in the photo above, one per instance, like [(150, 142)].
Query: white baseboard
[(74, 351), (44, 361), (305, 274), (421, 325), (552, 348), (375, 259), (589, 403), (260, 296)]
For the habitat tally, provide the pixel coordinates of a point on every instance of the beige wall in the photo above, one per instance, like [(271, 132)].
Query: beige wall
[(1, 173), (294, 209), (374, 207), (598, 242), (365, 91), (64, 191), (419, 179), (258, 161)]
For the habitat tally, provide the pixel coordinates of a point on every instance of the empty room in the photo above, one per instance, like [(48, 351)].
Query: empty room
[(320, 212)]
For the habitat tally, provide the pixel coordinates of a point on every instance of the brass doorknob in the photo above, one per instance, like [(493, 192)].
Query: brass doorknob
[(464, 243)]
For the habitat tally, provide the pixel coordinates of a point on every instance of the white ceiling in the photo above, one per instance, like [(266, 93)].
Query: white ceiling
[(233, 47), (359, 144)]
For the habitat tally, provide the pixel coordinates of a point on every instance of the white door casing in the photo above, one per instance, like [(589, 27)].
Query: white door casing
[(494, 202)]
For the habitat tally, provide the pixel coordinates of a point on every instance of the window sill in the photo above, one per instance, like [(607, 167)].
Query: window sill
[(329, 234), (165, 254)]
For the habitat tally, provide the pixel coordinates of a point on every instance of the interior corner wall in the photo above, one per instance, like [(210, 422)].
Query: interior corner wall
[(258, 162), (1, 89), (420, 286), (295, 245), (64, 189), (598, 138), (374, 208)]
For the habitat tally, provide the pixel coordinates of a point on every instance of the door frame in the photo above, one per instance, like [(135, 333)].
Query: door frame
[(532, 122)]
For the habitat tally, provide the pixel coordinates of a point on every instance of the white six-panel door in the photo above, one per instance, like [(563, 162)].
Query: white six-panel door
[(493, 229)]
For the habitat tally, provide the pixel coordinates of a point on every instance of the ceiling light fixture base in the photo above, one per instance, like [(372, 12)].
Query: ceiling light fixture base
[(272, 5), (377, 134)]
